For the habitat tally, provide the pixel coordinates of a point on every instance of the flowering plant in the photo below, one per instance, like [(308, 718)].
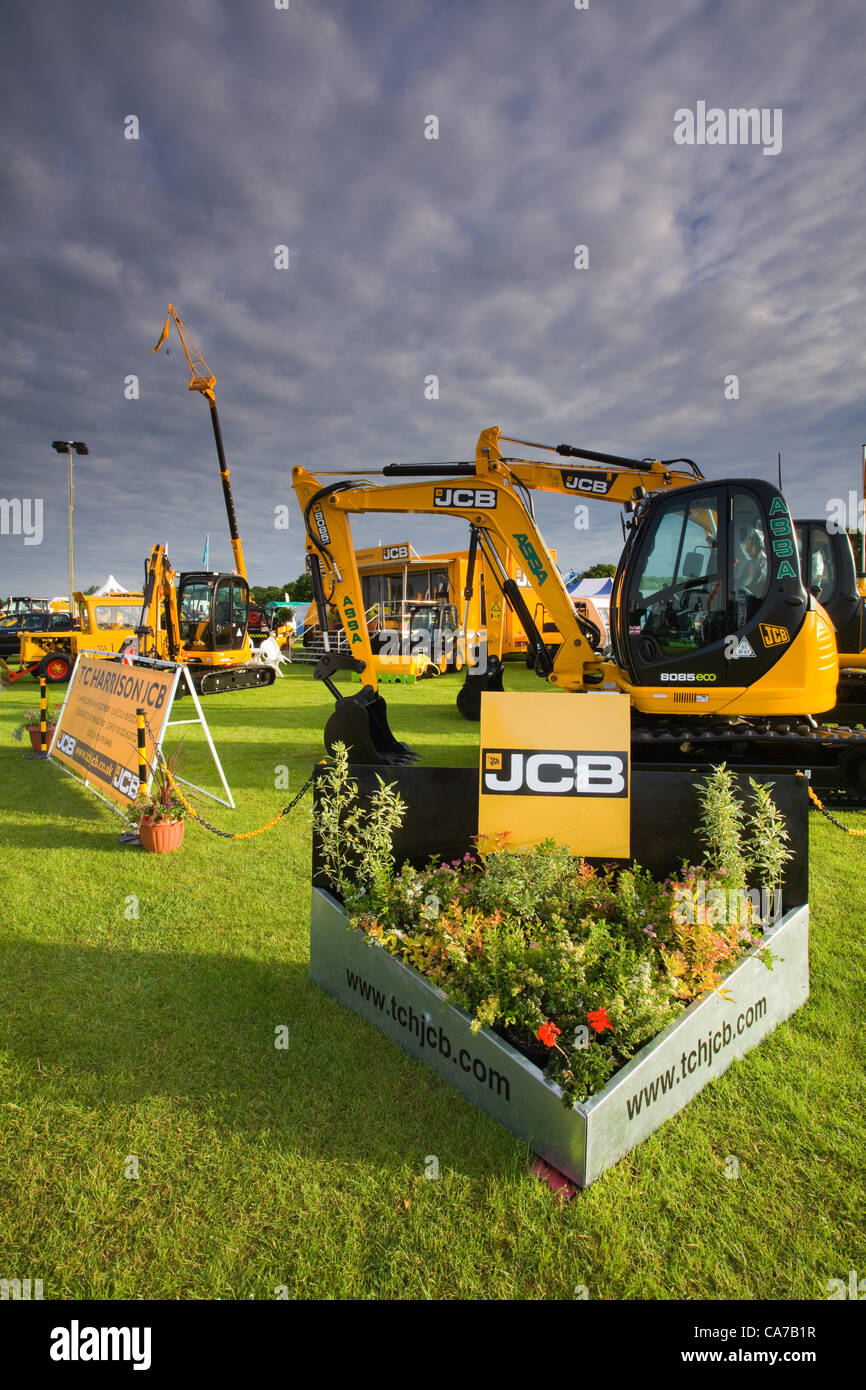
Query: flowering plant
[(576, 966), (163, 804), (31, 720)]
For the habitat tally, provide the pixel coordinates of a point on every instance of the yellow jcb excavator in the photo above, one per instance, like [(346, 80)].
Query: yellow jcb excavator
[(722, 652), (599, 477), (200, 617), (830, 573)]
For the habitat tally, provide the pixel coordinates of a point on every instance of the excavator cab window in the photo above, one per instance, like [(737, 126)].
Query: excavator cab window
[(750, 570), (708, 564), (433, 617), (676, 605), (433, 629), (819, 566), (195, 615), (230, 610), (423, 619)]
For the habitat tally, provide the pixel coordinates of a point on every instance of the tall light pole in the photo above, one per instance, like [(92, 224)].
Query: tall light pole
[(69, 447)]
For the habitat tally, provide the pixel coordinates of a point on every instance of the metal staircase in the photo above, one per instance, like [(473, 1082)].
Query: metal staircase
[(309, 655)]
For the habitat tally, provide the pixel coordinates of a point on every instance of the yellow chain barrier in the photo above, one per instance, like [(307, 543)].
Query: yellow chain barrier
[(227, 834), (831, 818)]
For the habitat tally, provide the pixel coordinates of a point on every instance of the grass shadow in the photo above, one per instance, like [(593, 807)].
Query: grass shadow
[(92, 1026)]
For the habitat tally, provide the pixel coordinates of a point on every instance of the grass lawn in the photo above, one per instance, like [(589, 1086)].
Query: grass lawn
[(153, 1036)]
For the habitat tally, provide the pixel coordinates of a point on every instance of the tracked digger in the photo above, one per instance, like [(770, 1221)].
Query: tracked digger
[(598, 476), (830, 573), (722, 651), (199, 617)]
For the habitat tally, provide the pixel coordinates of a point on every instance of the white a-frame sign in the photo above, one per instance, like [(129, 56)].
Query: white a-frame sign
[(96, 736)]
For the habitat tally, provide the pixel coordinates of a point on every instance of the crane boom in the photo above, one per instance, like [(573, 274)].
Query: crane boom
[(201, 379)]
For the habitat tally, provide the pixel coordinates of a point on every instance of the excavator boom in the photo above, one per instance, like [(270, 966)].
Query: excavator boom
[(492, 494), (201, 379), (491, 505)]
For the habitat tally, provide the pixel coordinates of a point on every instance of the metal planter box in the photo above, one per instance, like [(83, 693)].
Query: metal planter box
[(583, 1141)]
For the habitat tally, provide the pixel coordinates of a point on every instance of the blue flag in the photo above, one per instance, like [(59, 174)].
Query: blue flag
[(206, 556)]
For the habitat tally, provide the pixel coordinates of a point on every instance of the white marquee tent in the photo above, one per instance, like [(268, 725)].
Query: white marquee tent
[(110, 586)]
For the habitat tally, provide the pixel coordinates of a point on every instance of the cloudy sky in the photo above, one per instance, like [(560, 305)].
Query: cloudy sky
[(412, 257)]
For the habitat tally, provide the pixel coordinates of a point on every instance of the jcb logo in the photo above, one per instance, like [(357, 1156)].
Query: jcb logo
[(554, 772), (127, 783), (395, 552), (480, 497), (322, 529), (66, 744), (773, 636), (587, 482)]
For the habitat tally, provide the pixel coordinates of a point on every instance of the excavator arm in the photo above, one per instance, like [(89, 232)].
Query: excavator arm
[(490, 504), (599, 477), (158, 630), (492, 493)]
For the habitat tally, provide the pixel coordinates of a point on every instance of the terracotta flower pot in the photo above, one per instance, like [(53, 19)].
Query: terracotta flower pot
[(36, 737), (166, 835)]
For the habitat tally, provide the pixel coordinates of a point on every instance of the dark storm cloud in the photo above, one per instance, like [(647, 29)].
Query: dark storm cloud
[(411, 257)]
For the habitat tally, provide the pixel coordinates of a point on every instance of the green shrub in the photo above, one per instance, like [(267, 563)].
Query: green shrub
[(591, 964)]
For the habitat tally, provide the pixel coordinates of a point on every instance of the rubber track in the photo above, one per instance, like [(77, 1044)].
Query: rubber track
[(792, 742), (227, 678)]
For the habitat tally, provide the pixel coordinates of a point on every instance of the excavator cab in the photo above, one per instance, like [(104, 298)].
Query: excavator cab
[(212, 611), (708, 593), (829, 572), (434, 632)]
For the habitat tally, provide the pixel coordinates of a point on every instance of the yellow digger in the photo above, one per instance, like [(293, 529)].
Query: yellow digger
[(200, 617), (830, 573), (721, 650)]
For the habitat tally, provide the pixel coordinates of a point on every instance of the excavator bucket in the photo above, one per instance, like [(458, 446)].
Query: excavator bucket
[(474, 686), (360, 721)]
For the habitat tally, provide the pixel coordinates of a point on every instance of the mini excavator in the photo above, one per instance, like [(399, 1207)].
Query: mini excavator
[(723, 653)]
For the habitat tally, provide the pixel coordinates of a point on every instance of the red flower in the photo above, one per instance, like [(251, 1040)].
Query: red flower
[(598, 1021), (547, 1034)]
